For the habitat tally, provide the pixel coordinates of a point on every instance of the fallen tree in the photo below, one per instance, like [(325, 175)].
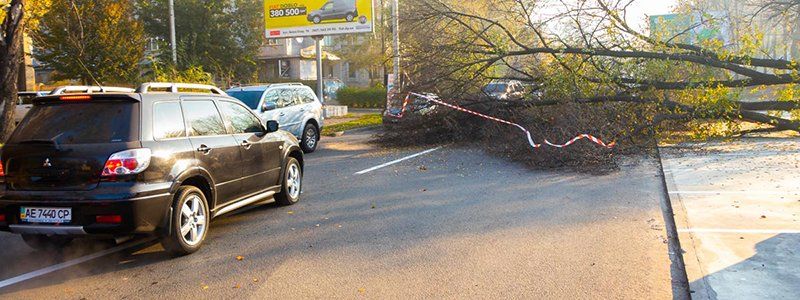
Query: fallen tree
[(595, 70)]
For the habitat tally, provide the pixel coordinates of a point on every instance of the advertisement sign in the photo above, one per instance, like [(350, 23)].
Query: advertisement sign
[(296, 18)]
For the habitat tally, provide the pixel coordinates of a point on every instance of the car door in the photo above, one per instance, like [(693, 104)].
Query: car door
[(216, 151), (338, 9), (328, 10), (261, 156), (289, 115), (309, 106), (281, 100)]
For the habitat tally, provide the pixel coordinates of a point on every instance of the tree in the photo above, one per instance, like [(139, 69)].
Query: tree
[(91, 40), (221, 36), (10, 56), (595, 56)]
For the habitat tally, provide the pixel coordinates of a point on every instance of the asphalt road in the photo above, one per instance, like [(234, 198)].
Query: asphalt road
[(454, 223)]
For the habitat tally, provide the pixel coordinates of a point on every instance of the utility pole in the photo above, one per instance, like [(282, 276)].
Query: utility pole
[(382, 29), (396, 33), (172, 32), (318, 46)]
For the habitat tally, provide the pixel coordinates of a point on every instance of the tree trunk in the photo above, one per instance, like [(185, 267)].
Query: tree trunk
[(10, 55)]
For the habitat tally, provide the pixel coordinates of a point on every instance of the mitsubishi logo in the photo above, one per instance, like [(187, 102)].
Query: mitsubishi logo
[(47, 163)]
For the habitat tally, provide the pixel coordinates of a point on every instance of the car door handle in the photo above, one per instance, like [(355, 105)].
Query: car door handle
[(204, 149), (282, 114), (246, 144)]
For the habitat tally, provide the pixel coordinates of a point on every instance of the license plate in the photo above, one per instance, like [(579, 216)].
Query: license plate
[(56, 215)]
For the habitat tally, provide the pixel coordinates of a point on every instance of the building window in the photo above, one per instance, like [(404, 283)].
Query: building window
[(352, 72), (274, 42), (284, 68)]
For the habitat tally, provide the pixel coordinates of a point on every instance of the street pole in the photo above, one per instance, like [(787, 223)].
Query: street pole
[(172, 32), (318, 44), (396, 33)]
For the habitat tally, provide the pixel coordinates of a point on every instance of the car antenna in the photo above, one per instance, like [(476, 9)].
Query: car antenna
[(90, 73), (80, 61)]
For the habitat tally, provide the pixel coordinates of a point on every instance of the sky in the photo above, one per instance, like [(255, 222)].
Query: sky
[(641, 9), (636, 15)]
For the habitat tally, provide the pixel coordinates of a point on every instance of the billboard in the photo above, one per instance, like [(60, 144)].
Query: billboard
[(296, 18)]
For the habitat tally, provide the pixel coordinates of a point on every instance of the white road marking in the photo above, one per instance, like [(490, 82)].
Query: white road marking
[(731, 193), (739, 231), (396, 161), (70, 263)]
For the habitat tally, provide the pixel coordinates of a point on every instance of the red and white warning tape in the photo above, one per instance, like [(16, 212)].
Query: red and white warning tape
[(527, 132)]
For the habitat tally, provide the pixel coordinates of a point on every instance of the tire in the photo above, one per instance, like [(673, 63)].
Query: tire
[(316, 19), (292, 183), (190, 223), (350, 17), (46, 243), (310, 138)]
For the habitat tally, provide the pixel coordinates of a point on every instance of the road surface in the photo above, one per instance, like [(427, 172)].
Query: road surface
[(452, 223)]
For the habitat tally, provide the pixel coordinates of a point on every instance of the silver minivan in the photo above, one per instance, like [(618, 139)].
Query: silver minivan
[(295, 106), (24, 104)]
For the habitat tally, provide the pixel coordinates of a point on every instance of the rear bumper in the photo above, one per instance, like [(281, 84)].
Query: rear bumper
[(139, 215)]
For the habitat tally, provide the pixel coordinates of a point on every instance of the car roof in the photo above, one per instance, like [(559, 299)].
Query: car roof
[(263, 87), (137, 97)]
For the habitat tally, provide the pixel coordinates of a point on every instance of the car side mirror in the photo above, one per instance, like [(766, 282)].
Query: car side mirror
[(269, 105), (272, 126)]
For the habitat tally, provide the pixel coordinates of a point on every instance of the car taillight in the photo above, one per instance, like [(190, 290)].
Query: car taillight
[(2, 171), (127, 162), (2, 218), (108, 219)]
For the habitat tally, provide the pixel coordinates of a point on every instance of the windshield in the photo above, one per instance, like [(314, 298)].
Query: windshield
[(249, 98), (495, 88), (66, 123)]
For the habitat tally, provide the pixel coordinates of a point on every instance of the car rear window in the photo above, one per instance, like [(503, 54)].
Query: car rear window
[(80, 123), (249, 98)]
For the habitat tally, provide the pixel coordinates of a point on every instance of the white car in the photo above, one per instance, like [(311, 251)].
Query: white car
[(24, 104), (505, 90), (295, 106)]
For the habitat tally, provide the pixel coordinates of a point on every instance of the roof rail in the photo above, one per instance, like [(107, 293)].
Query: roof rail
[(174, 87), (89, 89), (267, 84)]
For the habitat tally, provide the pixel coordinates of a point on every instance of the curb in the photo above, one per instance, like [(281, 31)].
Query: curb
[(680, 280)]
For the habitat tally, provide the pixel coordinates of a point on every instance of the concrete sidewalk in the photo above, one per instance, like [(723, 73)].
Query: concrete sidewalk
[(737, 206)]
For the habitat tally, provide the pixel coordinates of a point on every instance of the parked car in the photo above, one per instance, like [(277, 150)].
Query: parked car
[(293, 105), (505, 90), (331, 87), (416, 106), (115, 165), (333, 10), (24, 104)]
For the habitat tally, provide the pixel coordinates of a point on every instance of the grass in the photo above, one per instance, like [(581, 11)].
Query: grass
[(363, 121)]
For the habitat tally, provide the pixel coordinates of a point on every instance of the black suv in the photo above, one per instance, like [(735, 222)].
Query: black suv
[(154, 161)]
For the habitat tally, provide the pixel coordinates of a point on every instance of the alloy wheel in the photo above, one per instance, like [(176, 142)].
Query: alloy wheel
[(311, 138), (193, 220), (293, 181)]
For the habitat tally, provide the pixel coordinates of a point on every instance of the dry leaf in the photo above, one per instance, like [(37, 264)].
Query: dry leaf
[(240, 258)]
